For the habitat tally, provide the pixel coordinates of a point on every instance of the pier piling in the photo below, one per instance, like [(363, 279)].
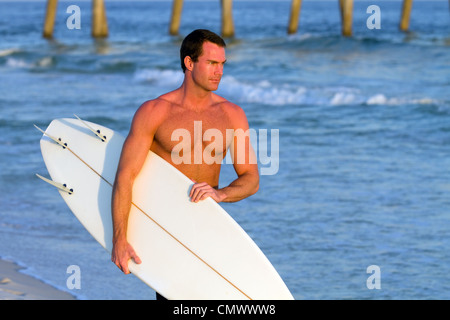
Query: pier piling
[(227, 18), (294, 17), (50, 16), (406, 14), (346, 8), (99, 21), (175, 20)]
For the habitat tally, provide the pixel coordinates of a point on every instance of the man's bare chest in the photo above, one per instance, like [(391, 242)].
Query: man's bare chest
[(197, 130)]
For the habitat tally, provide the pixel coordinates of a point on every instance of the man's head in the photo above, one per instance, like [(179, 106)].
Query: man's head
[(193, 43)]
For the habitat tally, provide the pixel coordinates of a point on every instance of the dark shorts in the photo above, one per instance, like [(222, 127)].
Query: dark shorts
[(160, 297)]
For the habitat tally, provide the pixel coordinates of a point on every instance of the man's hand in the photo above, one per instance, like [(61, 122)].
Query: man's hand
[(122, 252), (201, 191)]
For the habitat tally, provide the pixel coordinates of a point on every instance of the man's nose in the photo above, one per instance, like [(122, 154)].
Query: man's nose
[(219, 70)]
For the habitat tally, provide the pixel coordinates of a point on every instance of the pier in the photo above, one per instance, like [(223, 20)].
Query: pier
[(99, 19), (100, 26)]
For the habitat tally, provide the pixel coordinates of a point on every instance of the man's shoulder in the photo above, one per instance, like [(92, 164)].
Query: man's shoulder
[(229, 106), (158, 105), (152, 113), (235, 114)]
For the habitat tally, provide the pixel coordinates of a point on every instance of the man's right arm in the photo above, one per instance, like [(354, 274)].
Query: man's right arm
[(134, 153)]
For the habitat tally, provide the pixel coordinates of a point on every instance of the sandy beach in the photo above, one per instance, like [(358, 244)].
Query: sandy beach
[(14, 285)]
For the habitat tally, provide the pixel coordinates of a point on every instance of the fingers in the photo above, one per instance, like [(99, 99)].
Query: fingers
[(135, 258), (121, 264), (201, 191), (121, 255), (197, 191), (124, 267)]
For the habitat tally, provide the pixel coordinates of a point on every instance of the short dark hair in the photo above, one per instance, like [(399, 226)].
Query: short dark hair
[(193, 43)]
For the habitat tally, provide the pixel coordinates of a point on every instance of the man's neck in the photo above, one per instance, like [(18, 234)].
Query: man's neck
[(194, 98)]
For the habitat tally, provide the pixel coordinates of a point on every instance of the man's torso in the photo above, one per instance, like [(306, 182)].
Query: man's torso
[(180, 138)]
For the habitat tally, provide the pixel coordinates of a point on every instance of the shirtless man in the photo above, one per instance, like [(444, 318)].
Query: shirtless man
[(202, 59)]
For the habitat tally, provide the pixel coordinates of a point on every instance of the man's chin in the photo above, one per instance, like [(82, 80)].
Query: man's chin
[(214, 87)]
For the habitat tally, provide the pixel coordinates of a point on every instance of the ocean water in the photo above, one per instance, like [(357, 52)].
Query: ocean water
[(362, 173)]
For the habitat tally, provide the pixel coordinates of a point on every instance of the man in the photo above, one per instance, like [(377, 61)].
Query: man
[(202, 56)]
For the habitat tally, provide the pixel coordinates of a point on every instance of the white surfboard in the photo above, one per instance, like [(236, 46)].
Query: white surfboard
[(188, 250)]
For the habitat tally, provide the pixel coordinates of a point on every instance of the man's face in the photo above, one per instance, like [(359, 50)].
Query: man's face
[(208, 70)]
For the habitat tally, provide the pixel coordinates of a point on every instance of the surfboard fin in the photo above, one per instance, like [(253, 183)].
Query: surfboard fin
[(60, 186), (58, 141), (96, 132)]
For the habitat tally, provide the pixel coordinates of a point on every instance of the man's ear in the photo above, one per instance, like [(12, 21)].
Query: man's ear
[(188, 63)]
